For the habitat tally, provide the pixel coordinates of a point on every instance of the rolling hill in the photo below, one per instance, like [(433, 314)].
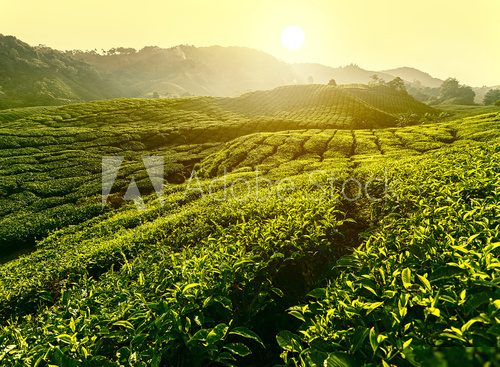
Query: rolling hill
[(51, 156), (345, 106)]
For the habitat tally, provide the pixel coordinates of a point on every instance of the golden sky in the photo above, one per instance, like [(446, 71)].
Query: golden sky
[(443, 37)]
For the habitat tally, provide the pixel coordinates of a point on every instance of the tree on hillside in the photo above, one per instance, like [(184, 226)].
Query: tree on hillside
[(397, 84), (467, 95), (375, 81), (492, 96), (450, 88), (460, 94), (332, 82)]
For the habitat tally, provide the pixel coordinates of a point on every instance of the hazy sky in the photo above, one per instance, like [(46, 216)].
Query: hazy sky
[(443, 37)]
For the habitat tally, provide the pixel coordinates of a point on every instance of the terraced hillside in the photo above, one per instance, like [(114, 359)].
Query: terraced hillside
[(308, 150), (284, 260), (314, 106), (51, 157)]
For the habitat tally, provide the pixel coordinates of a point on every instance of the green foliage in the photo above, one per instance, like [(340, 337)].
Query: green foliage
[(451, 90), (175, 303), (426, 279), (50, 157), (492, 97), (397, 84)]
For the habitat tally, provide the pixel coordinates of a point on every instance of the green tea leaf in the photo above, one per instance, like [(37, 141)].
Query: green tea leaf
[(406, 278), (218, 333), (425, 282), (288, 341), (373, 339), (190, 286), (246, 333), (238, 349), (124, 323)]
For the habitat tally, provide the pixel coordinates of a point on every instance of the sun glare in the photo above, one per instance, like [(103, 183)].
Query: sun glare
[(292, 37)]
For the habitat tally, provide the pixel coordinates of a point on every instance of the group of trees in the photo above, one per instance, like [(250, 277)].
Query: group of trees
[(120, 51), (492, 97), (452, 91), (396, 84)]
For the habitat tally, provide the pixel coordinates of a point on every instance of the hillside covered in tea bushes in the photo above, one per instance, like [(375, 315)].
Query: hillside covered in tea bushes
[(303, 226)]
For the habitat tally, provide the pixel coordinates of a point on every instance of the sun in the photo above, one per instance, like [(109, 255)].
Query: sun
[(292, 37)]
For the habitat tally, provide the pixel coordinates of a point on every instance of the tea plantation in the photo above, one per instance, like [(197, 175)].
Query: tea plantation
[(303, 226)]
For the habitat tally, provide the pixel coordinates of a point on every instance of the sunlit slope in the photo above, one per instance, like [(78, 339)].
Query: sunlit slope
[(51, 157), (290, 107), (322, 106), (307, 150)]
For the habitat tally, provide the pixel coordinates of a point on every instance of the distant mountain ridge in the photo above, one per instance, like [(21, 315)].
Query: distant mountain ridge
[(40, 75), (213, 71)]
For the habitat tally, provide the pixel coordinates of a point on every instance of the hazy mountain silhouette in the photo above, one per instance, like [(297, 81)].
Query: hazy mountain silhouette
[(43, 76), (350, 74), (413, 75), (181, 70)]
